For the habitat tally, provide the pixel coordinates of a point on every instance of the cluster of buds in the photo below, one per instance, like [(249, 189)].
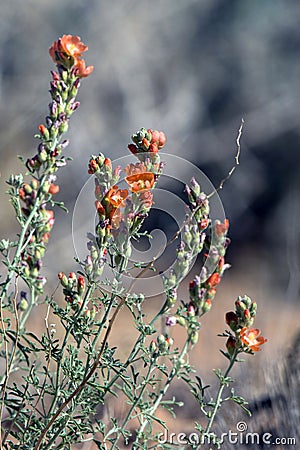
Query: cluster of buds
[(42, 221), (121, 212), (73, 289), (28, 193), (245, 311), (193, 238), (245, 339), (101, 167), (66, 53), (188, 319), (147, 141), (161, 346), (199, 203), (202, 289), (94, 262), (109, 198)]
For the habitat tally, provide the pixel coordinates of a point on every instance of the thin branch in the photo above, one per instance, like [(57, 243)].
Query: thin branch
[(237, 161), (86, 379), (9, 364)]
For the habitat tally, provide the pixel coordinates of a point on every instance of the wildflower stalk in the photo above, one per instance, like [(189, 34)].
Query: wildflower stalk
[(223, 383), (80, 382), (91, 371)]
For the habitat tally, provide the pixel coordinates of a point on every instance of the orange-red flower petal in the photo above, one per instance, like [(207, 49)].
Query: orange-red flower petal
[(251, 338), (72, 45), (82, 70), (140, 182), (116, 196), (222, 228)]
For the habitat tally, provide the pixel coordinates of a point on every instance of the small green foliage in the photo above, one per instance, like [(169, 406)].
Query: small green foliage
[(69, 384)]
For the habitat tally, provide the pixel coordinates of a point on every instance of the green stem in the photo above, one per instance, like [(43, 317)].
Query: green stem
[(78, 390), (222, 385), (162, 393), (133, 406), (63, 348), (135, 350)]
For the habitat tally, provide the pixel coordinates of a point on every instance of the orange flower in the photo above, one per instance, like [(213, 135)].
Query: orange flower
[(116, 196), (140, 181), (213, 280), (251, 338), (83, 71), (72, 48), (53, 189), (68, 44), (221, 228)]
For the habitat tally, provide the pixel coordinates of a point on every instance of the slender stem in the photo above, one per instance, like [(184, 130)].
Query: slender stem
[(222, 385), (134, 405), (135, 350), (162, 393), (93, 369), (63, 347)]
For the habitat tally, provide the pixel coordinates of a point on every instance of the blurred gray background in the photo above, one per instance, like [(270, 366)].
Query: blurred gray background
[(193, 69)]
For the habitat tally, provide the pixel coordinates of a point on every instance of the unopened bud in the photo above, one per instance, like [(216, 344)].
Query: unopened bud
[(23, 305), (193, 338), (153, 347), (230, 345), (80, 285), (63, 279), (191, 310), (232, 320), (181, 321), (206, 306)]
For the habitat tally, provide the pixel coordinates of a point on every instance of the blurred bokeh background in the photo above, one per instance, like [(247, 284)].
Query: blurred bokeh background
[(193, 69)]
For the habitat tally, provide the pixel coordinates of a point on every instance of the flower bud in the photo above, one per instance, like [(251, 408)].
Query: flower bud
[(152, 347), (213, 280), (44, 131), (42, 156), (195, 187), (207, 306), (193, 338), (169, 341), (63, 279), (64, 127), (191, 310), (53, 189), (231, 345), (253, 309), (240, 306), (232, 320), (23, 305), (181, 321), (80, 285)]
